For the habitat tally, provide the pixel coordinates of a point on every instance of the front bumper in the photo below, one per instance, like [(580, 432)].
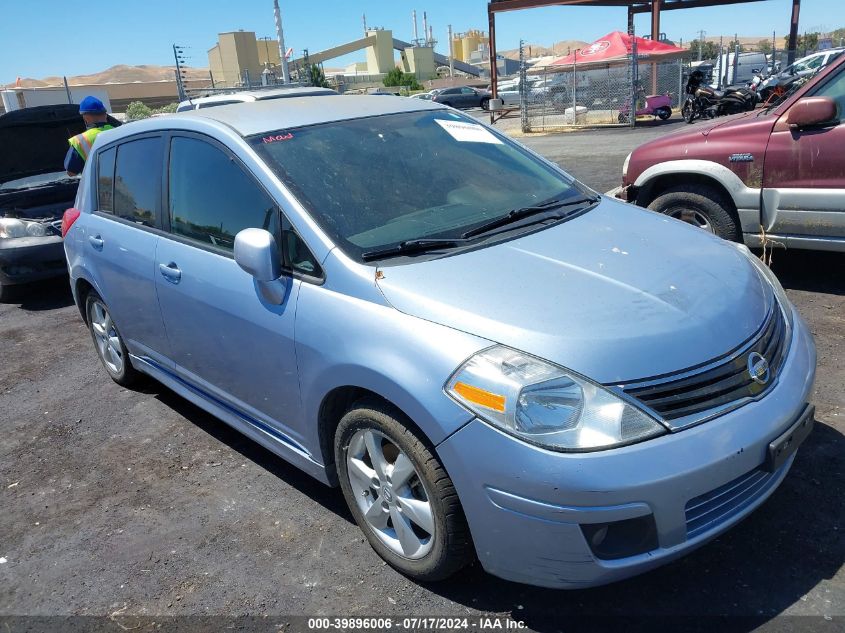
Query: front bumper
[(26, 259), (526, 506)]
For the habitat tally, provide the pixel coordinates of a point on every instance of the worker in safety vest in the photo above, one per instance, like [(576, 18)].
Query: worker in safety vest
[(94, 114)]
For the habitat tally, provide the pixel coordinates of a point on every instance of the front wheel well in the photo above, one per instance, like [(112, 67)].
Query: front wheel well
[(654, 188), (334, 406)]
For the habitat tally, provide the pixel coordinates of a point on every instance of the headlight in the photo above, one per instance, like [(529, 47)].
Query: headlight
[(768, 275), (546, 405), (12, 227)]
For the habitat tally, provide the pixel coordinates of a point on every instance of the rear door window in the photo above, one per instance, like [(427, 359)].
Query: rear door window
[(137, 180), (211, 198)]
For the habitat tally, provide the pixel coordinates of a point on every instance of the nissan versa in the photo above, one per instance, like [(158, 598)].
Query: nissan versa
[(491, 360)]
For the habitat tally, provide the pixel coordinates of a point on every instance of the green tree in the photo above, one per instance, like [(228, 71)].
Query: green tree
[(170, 108), (764, 46), (807, 43), (397, 78), (709, 50), (733, 45), (138, 110), (317, 77)]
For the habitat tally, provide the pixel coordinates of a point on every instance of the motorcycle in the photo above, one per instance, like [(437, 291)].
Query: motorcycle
[(706, 103), (659, 106)]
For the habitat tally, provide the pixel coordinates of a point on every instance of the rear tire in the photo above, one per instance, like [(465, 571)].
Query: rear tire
[(405, 482), (485, 104), (6, 293), (108, 342), (702, 206), (663, 113)]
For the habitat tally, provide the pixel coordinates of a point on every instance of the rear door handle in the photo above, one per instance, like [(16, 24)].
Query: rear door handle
[(170, 272), (96, 242)]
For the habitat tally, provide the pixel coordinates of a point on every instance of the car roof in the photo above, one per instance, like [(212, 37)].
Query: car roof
[(257, 117), (258, 95)]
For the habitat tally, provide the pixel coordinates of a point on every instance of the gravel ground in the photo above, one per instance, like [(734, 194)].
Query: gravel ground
[(137, 502)]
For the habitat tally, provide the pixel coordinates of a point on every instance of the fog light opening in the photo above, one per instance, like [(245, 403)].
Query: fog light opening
[(620, 539)]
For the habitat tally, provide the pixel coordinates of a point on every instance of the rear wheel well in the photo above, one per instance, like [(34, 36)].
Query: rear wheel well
[(333, 407), (649, 192), (82, 290)]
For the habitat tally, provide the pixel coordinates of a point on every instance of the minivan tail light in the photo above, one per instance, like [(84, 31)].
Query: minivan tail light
[(70, 216)]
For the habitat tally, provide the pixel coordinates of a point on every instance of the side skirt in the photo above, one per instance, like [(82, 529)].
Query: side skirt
[(268, 437)]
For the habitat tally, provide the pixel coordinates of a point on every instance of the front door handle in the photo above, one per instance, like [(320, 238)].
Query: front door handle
[(96, 241), (170, 272)]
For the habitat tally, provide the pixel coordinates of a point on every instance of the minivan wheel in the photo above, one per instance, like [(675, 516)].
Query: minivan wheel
[(6, 293), (701, 206), (108, 342), (399, 493)]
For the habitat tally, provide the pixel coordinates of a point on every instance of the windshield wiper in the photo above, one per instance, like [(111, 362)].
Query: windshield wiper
[(524, 212), (413, 246)]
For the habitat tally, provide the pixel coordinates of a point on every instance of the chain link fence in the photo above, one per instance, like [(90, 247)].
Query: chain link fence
[(553, 97)]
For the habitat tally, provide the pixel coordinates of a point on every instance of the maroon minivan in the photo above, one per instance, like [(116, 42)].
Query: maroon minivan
[(774, 175)]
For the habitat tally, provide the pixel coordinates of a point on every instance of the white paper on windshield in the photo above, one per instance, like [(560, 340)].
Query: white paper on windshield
[(468, 132)]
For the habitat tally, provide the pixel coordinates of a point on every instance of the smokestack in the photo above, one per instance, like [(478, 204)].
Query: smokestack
[(425, 27), (281, 36), (364, 20), (431, 35), (414, 16)]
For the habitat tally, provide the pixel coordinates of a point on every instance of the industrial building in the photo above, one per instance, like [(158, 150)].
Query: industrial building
[(239, 54), (471, 47)]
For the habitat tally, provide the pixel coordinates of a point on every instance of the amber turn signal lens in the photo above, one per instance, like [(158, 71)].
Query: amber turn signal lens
[(480, 396)]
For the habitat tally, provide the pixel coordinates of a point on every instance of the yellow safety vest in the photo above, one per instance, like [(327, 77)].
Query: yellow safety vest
[(82, 143)]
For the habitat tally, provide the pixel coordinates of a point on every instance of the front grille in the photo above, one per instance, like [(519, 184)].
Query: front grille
[(717, 506), (717, 385)]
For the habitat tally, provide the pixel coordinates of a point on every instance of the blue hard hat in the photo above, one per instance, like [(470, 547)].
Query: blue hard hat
[(91, 105)]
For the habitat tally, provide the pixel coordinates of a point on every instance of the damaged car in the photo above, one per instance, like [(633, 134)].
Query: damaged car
[(492, 361), (35, 190)]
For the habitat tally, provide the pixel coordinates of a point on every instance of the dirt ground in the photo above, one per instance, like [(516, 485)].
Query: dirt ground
[(139, 503)]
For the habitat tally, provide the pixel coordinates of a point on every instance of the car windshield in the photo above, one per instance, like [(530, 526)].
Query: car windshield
[(374, 183)]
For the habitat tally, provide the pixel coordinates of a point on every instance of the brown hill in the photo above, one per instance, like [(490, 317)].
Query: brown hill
[(536, 50), (119, 74)]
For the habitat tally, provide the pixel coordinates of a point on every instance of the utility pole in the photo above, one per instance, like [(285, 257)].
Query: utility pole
[(700, 43), (451, 55), (283, 60)]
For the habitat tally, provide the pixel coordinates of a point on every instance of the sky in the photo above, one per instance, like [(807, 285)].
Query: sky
[(41, 38)]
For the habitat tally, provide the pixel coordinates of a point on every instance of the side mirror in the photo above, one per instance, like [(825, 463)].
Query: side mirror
[(811, 111), (257, 253)]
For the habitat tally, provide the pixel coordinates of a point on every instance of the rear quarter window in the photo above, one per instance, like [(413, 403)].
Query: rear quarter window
[(137, 180), (105, 180)]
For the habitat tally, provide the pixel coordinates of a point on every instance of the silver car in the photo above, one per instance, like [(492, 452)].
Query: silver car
[(490, 360)]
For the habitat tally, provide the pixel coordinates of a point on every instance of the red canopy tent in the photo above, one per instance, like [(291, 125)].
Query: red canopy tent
[(616, 46)]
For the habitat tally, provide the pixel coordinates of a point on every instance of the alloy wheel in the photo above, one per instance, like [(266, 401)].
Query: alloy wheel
[(106, 337), (390, 494), (691, 216)]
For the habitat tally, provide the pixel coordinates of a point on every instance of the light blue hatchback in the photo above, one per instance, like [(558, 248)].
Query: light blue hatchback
[(490, 359)]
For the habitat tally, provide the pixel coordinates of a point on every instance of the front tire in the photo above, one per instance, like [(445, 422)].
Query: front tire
[(701, 206), (688, 112), (663, 113), (6, 293), (399, 493), (108, 342)]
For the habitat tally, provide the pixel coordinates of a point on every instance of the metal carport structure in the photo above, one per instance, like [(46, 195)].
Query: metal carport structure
[(634, 6)]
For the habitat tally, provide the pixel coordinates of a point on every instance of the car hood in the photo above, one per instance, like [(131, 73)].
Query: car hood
[(617, 294), (39, 137)]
